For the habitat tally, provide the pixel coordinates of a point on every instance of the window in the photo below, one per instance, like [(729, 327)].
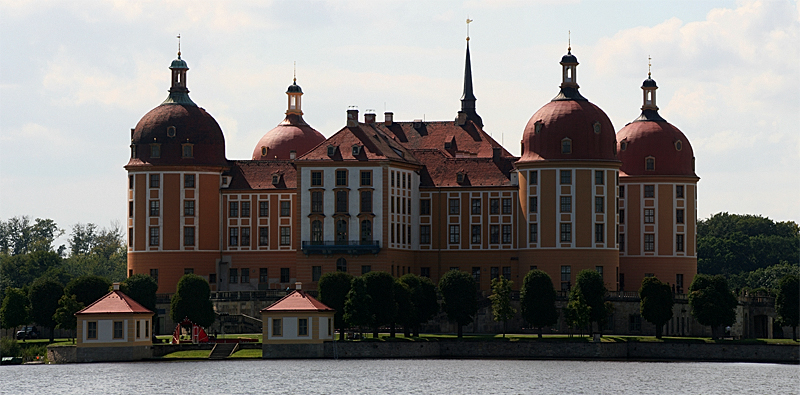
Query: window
[(263, 275), (366, 201), (622, 242), (455, 236), (91, 330), (263, 236), (533, 177), (366, 178), (598, 204), (188, 180), (494, 234), (316, 232), (679, 243), (212, 278), (188, 236), (245, 276), (533, 233), (366, 232), (649, 215), (341, 201), (649, 242), (533, 204), (316, 201), (679, 283), (154, 274), (403, 177), (476, 206), (635, 323), (366, 269), (302, 327), (566, 176), (650, 163), (154, 237), (233, 209), (566, 232), (234, 236), (341, 265), (118, 330), (424, 234), (341, 232), (476, 234), (566, 277), (494, 206), (622, 191), (425, 207), (506, 206), (425, 272), (598, 233), (566, 204), (154, 208), (599, 269), (277, 327), (506, 234), (130, 182), (649, 191), (341, 178), (679, 216), (507, 272), (316, 273), (622, 216), (494, 273), (316, 178), (187, 151), (392, 178), (476, 274), (155, 150), (245, 240), (454, 208), (245, 209), (286, 235), (130, 209), (155, 180), (188, 208), (566, 146), (285, 275), (286, 208), (679, 191), (598, 177)]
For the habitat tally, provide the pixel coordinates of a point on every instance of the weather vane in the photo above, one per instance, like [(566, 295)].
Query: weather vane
[(569, 41), (468, 22), (179, 45), (648, 65), (294, 73)]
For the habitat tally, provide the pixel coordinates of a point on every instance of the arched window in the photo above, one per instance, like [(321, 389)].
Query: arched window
[(678, 145), (366, 231), (341, 231), (566, 146), (650, 163), (341, 265), (316, 232)]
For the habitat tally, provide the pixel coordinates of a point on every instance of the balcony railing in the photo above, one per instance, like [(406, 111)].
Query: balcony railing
[(352, 247)]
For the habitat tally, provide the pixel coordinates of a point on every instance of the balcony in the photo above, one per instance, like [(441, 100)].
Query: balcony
[(351, 247)]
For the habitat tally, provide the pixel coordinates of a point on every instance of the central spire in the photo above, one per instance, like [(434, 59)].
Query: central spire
[(468, 98), (178, 92)]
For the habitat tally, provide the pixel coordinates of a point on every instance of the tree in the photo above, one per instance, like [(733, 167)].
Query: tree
[(656, 303), (713, 303), (405, 308), (459, 299), (44, 296), (14, 311), (787, 304), (87, 289), (502, 311), (538, 300), (65, 314), (19, 236), (192, 300), (767, 277), (97, 251), (576, 313), (333, 288), (590, 290), (423, 298), (21, 270), (356, 306), (380, 287), (141, 288)]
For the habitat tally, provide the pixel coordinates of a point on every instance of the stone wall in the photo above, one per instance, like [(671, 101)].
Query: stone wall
[(73, 354)]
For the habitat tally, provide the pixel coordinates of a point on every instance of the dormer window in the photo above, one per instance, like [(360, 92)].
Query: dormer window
[(187, 150), (276, 179), (331, 150), (263, 151), (596, 126), (650, 163), (417, 123), (292, 154), (155, 150), (537, 127), (356, 150), (678, 145), (460, 177), (447, 145), (171, 131), (566, 146), (623, 145)]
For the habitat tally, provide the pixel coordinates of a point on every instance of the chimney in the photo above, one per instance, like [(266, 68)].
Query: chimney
[(116, 286), (298, 286), (388, 118), (352, 117), (461, 120), (496, 153), (369, 117)]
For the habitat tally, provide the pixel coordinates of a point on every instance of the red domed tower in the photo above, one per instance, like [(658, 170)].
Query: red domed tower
[(292, 137), (658, 200), (174, 178), (567, 179)]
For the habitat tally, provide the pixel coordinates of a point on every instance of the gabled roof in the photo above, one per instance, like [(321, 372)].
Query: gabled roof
[(378, 146), (442, 171), (297, 301), (115, 302), (469, 138), (257, 174)]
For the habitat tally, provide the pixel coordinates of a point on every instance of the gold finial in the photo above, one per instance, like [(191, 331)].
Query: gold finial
[(468, 22), (648, 65), (569, 41), (294, 79), (179, 46)]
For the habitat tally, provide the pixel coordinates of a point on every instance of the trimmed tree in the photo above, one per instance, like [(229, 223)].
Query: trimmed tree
[(356, 305), (333, 288), (405, 308), (87, 289), (423, 297), (656, 303), (14, 311), (141, 288), (459, 299), (65, 314), (590, 290), (192, 300), (502, 311), (787, 303), (576, 313), (383, 308), (538, 300), (44, 296), (713, 303)]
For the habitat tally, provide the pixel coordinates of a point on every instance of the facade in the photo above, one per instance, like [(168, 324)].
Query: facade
[(420, 197)]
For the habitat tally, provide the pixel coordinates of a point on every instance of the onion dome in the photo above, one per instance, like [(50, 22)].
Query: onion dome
[(177, 132), (292, 137), (569, 127), (652, 146)]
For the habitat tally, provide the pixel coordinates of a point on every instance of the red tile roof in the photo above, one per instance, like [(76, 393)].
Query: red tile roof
[(468, 138), (297, 301), (441, 170), (115, 302), (293, 134), (250, 174), (378, 146)]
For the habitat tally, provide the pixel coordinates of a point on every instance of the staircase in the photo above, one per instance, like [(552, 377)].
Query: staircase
[(223, 350)]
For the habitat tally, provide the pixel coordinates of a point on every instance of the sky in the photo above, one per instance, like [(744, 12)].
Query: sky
[(76, 76)]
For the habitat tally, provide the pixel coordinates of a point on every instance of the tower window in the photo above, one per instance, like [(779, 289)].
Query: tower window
[(533, 233), (155, 180), (187, 151), (596, 126), (455, 234), (650, 163), (263, 151), (566, 146), (170, 131), (533, 203), (623, 145), (155, 150), (678, 145), (566, 176), (566, 204), (649, 242), (678, 191), (566, 232), (598, 177), (679, 216), (649, 191), (188, 180), (533, 177), (598, 233), (649, 216)]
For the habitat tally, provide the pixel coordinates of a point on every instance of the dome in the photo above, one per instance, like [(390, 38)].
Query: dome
[(649, 83), (172, 126), (179, 64), (293, 134), (294, 88), (670, 149), (569, 58)]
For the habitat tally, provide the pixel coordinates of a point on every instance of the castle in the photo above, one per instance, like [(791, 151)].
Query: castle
[(420, 197)]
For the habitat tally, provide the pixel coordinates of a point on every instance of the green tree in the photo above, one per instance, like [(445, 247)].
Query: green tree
[(18, 271), (19, 235), (14, 311), (65, 314), (97, 251), (423, 298), (192, 300), (502, 311), (405, 307), (656, 303), (44, 296), (589, 289), (577, 313), (333, 288), (380, 287), (538, 300), (713, 303), (356, 307), (787, 304), (87, 289), (767, 277), (142, 288), (459, 298)]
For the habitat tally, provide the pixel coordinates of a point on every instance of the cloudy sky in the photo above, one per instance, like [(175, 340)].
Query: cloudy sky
[(76, 76)]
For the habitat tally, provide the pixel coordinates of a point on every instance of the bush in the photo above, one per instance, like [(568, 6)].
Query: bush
[(9, 347)]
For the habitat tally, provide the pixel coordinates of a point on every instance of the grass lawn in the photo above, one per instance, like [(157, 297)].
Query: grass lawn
[(247, 354), (189, 354)]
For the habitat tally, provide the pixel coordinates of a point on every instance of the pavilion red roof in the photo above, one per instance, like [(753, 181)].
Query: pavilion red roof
[(115, 302), (297, 301)]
